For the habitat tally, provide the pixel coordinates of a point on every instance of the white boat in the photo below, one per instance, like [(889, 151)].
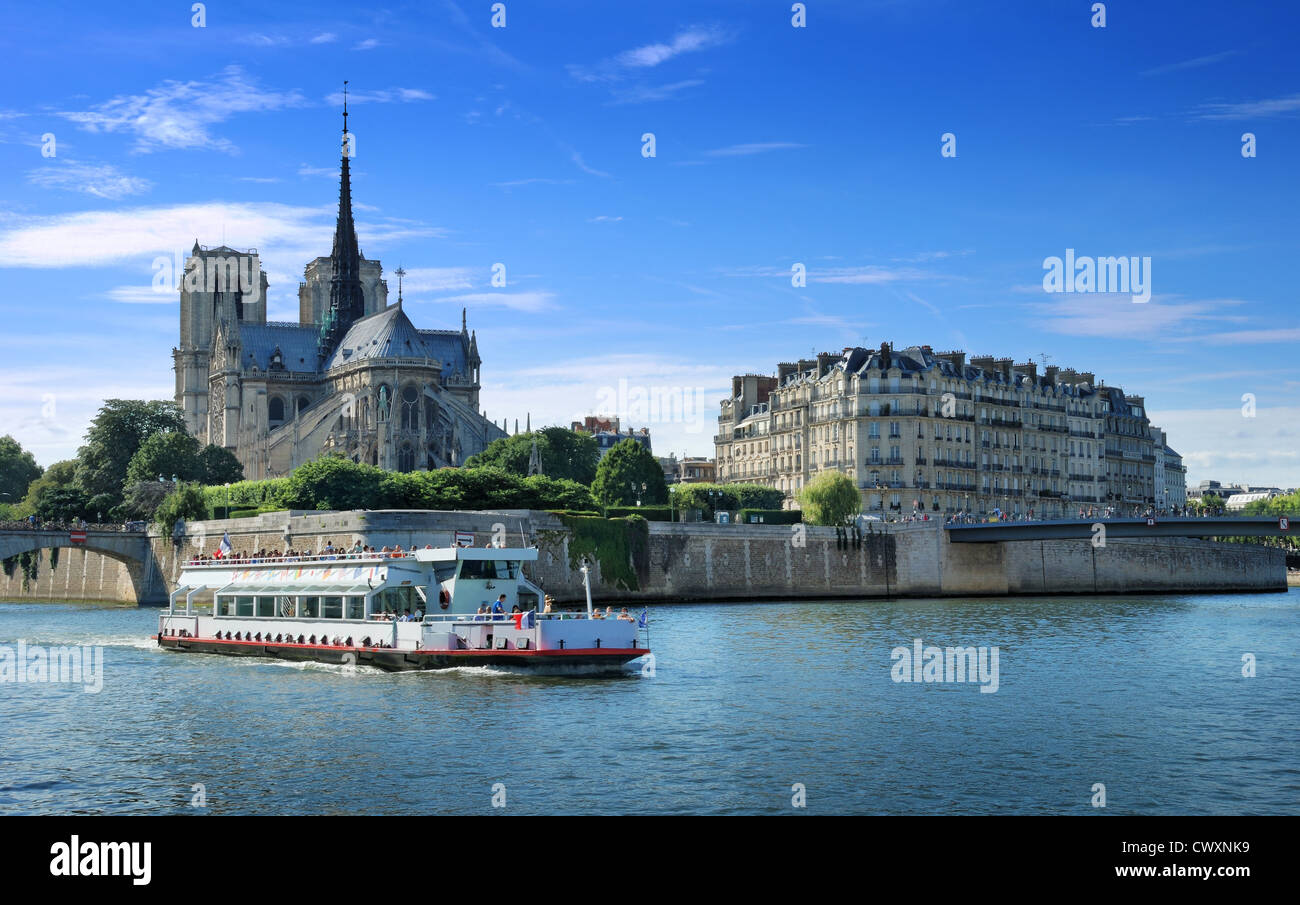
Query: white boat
[(417, 609)]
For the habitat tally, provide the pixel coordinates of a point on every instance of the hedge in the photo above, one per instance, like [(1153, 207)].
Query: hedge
[(770, 516), (649, 513)]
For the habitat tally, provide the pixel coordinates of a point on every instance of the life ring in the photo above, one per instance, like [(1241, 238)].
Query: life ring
[(444, 598)]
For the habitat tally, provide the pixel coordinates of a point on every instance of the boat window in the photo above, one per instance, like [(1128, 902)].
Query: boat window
[(444, 571), (284, 606), (227, 605), (332, 607), (308, 607), (481, 569), (266, 606), (245, 606), (356, 608)]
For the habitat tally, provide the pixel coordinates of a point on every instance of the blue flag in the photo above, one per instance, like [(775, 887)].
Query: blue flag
[(645, 612)]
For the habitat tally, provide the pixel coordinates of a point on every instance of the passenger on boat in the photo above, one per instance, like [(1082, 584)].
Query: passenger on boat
[(597, 614), (419, 614), (357, 548), (499, 608), (481, 613), (609, 612), (624, 615), (548, 603)]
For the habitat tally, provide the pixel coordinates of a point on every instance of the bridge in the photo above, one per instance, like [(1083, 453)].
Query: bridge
[(1082, 529), (131, 548)]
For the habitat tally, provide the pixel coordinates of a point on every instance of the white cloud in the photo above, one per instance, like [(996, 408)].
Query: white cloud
[(753, 148), (179, 115), (436, 279), (1224, 445), (603, 218), (101, 180), (1277, 106), (1116, 315), (326, 37), (689, 41), (287, 236), (384, 96), (527, 301), (677, 398), (367, 44)]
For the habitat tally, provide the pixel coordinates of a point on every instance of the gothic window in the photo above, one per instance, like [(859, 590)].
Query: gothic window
[(410, 410), (275, 410), (303, 402), (406, 458)]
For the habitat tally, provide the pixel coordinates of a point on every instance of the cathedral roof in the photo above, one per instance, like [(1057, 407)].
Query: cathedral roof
[(297, 345), (390, 334)]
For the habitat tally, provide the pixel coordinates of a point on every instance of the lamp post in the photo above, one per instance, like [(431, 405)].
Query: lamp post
[(226, 514)]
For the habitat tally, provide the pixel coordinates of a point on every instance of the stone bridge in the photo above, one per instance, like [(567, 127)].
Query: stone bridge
[(131, 548)]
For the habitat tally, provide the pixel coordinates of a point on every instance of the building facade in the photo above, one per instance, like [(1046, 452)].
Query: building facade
[(609, 434), (930, 432), (353, 376)]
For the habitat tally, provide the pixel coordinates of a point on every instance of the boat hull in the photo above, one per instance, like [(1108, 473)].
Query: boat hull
[(391, 660)]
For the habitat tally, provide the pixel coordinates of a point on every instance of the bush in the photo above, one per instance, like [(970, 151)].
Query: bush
[(185, 503), (770, 516), (709, 498)]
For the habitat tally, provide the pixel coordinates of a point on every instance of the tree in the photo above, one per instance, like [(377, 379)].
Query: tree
[(830, 499), (564, 453), (169, 454), (332, 482), (115, 436), (218, 465), (17, 471), (184, 503), (60, 475), (622, 474), (63, 504)]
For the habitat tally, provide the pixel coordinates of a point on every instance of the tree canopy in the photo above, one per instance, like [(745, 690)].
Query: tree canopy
[(18, 469), (624, 472), (831, 498), (117, 433), (169, 454), (564, 454)]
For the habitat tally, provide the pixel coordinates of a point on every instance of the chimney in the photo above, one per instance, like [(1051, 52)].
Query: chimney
[(983, 362), (1052, 371), (1030, 368), (784, 370), (957, 359), (824, 359)]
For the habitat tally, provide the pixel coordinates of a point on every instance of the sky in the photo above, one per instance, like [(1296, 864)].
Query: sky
[(919, 160)]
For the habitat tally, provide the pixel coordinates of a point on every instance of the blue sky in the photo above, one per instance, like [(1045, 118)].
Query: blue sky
[(665, 275)]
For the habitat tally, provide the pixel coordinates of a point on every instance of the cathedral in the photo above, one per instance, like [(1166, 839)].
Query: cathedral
[(353, 377)]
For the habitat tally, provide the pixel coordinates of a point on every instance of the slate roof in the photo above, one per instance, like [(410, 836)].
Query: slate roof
[(297, 345), (390, 334)]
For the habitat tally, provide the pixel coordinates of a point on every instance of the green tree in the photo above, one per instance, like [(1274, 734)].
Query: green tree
[(830, 499), (169, 454), (218, 465), (333, 482), (58, 476), (624, 471), (115, 436), (63, 504), (185, 503), (564, 454), (18, 469)]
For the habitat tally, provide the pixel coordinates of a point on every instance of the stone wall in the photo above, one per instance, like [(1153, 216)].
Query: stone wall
[(703, 561)]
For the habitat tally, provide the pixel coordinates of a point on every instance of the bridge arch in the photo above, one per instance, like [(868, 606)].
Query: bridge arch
[(131, 549)]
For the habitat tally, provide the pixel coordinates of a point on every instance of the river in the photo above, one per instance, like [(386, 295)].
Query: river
[(750, 709)]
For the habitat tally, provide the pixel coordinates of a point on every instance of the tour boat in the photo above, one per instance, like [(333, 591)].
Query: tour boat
[(418, 609)]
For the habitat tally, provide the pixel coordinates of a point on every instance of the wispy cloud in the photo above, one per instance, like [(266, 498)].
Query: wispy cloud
[(325, 37), (1116, 316), (582, 165), (180, 115), (536, 180), (604, 219), (1278, 106), (1195, 63), (436, 279), (638, 60), (101, 180), (528, 301), (383, 96), (367, 44), (753, 148), (641, 94)]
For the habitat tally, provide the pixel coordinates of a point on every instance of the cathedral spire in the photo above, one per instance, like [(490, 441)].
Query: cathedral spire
[(347, 302)]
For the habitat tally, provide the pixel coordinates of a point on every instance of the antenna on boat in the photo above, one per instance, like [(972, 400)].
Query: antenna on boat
[(523, 540)]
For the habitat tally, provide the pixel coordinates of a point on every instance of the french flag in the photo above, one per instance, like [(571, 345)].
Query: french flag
[(224, 548)]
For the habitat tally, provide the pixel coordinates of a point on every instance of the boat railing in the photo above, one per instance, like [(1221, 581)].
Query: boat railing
[(310, 558), (435, 618)]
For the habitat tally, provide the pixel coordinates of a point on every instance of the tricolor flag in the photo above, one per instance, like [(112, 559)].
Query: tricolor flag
[(224, 548)]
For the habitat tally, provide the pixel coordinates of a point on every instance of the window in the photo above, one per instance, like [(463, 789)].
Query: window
[(275, 410), (332, 607)]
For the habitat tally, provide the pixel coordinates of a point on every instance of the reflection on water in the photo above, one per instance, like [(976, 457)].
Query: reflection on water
[(1144, 694)]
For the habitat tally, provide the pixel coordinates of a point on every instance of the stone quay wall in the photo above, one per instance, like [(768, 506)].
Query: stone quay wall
[(705, 562)]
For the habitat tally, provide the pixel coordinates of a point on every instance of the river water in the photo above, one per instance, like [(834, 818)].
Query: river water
[(750, 709)]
